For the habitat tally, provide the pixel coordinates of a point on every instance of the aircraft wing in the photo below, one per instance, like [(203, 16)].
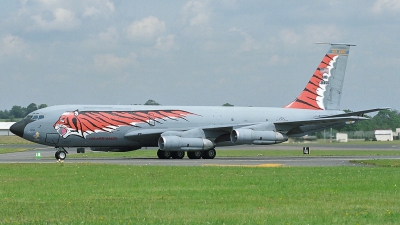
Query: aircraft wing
[(357, 113), (147, 132), (223, 132), (281, 125), (143, 132), (333, 119), (320, 121)]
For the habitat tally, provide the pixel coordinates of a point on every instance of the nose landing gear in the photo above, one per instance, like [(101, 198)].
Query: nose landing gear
[(61, 153)]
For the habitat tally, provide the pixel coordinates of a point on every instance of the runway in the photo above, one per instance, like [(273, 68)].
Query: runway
[(47, 156)]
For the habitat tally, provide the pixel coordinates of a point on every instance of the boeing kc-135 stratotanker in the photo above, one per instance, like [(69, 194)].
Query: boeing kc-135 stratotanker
[(195, 130)]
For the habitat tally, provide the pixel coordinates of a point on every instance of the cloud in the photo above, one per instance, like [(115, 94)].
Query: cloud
[(110, 36), (104, 41), (62, 15), (276, 60), (90, 11), (165, 43), (62, 19), (288, 36), (386, 5), (146, 29), (322, 33), (311, 33), (110, 62), (98, 7), (249, 42), (197, 12), (11, 45), (229, 4)]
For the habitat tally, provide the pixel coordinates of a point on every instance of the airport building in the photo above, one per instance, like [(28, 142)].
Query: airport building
[(384, 135), (342, 137), (5, 128), (397, 134)]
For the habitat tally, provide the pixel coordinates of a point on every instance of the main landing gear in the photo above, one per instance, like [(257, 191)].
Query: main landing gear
[(61, 153), (207, 154)]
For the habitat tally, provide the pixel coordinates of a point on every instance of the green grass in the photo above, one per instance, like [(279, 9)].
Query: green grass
[(112, 194), (13, 140), (11, 150), (379, 162)]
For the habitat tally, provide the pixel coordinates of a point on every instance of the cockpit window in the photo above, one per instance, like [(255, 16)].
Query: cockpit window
[(34, 116)]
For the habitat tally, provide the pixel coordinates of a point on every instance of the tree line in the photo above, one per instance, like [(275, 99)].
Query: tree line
[(388, 119), (18, 112)]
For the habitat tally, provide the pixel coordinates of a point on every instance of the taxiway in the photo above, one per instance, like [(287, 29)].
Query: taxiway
[(47, 156)]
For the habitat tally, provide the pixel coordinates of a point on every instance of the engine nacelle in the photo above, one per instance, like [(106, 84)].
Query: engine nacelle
[(175, 143), (249, 136)]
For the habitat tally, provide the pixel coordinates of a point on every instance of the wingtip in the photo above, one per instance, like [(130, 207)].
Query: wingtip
[(329, 43)]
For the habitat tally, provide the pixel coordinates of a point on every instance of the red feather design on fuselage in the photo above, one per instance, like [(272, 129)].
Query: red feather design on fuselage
[(83, 123)]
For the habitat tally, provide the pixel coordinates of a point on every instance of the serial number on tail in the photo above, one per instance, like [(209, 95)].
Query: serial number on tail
[(324, 82)]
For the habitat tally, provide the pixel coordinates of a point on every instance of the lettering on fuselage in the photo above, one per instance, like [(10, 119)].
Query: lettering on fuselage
[(103, 139)]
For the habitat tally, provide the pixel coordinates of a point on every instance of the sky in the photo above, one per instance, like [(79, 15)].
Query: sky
[(194, 52)]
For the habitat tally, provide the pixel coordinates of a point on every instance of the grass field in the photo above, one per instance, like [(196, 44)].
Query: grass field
[(379, 162), (10, 150), (12, 140), (112, 194), (117, 194)]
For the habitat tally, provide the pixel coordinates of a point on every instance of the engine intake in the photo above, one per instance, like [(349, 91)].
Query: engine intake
[(175, 143), (249, 136)]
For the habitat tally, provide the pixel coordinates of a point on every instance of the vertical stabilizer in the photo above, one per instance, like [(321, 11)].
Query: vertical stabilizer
[(324, 90)]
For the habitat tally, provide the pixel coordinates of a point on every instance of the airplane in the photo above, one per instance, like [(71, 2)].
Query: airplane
[(195, 130)]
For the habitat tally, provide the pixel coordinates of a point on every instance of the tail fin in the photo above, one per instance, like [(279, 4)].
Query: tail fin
[(324, 89)]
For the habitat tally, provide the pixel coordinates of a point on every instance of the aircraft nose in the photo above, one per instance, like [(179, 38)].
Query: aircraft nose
[(18, 128)]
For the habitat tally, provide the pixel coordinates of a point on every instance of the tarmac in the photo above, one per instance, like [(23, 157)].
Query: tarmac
[(47, 156)]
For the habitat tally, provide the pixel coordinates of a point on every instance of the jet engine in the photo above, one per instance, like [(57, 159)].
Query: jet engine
[(249, 136), (175, 143)]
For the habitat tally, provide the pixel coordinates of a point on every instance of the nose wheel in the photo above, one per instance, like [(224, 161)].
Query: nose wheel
[(61, 154)]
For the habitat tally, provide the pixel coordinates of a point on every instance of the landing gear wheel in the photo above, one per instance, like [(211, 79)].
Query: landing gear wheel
[(194, 154), (60, 155), (178, 154), (163, 154), (209, 154)]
